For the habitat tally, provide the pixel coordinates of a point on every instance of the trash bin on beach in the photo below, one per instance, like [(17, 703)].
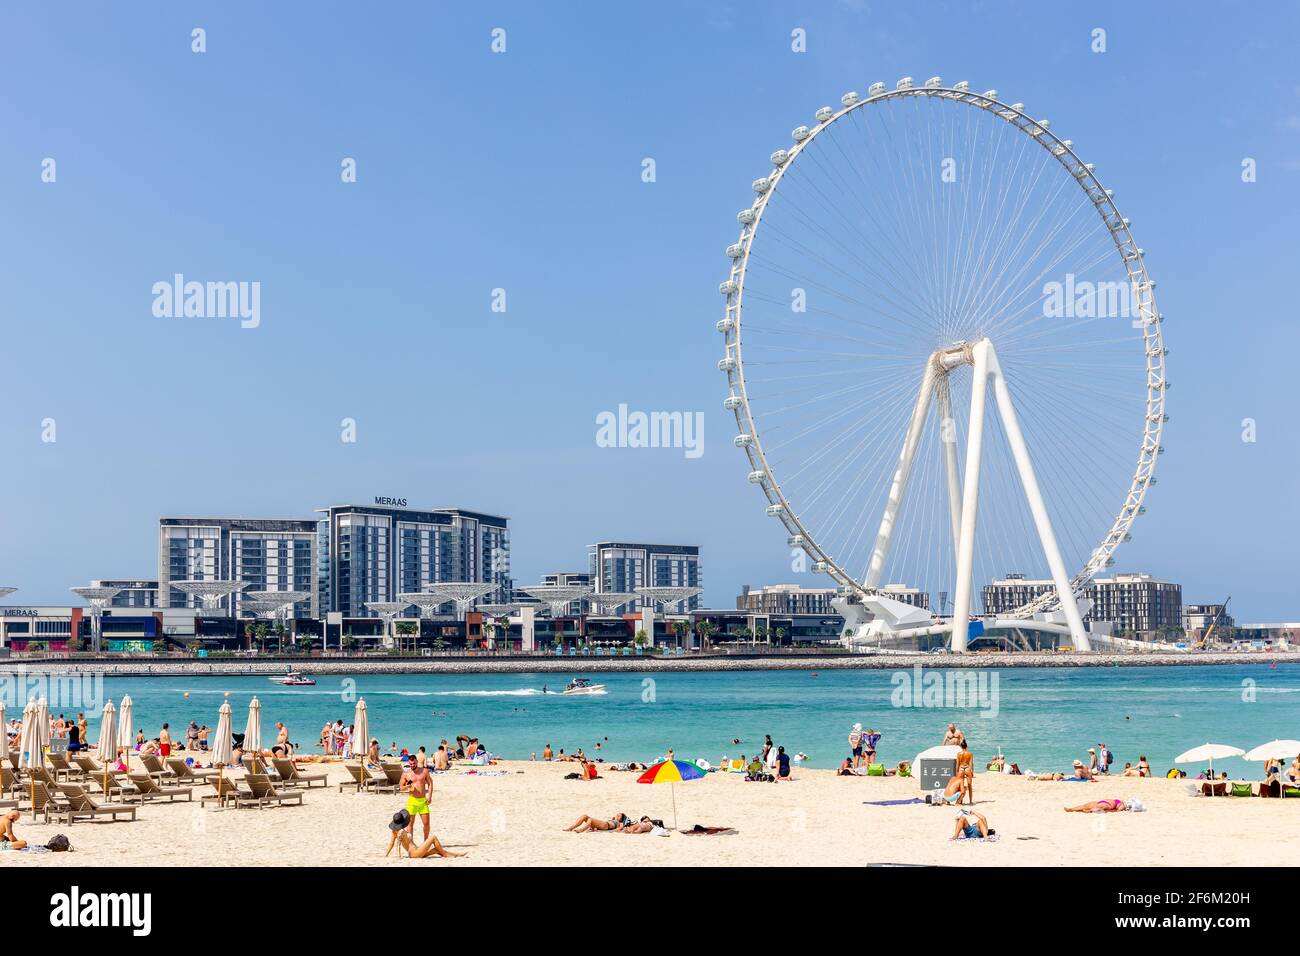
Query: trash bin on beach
[(935, 774)]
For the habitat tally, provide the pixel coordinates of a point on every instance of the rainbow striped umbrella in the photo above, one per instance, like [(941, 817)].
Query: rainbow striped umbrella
[(671, 772)]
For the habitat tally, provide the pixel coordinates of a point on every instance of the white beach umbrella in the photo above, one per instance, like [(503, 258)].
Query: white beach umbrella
[(1274, 750), (29, 747), (29, 743), (253, 731), (360, 727), (222, 750), (1206, 753), (43, 723), (107, 738), (125, 733)]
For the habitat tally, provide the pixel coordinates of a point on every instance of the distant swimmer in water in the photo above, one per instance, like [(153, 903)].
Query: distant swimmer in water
[(544, 689), (735, 740)]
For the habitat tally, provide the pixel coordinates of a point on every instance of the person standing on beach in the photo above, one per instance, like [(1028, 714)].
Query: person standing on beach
[(869, 741), (165, 742), (966, 771), (547, 754), (953, 737), (418, 785), (855, 745), (1104, 758)]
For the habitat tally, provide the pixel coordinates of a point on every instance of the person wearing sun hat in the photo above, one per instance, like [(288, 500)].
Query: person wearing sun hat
[(399, 837)]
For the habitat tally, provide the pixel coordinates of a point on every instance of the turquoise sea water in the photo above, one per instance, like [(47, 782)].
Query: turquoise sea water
[(1045, 717)]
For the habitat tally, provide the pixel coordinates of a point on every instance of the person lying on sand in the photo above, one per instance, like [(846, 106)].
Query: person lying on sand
[(8, 837), (1105, 806), (586, 824), (971, 825), (398, 836), (644, 825)]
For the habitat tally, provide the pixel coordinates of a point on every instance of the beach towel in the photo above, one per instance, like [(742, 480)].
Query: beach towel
[(891, 803)]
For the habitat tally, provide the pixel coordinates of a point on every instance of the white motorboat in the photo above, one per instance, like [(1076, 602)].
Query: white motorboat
[(580, 685)]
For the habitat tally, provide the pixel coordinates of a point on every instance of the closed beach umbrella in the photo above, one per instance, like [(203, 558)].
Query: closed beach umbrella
[(125, 735), (671, 772), (360, 727), (4, 726), (29, 747), (222, 751), (1206, 754), (43, 724), (253, 731), (107, 738)]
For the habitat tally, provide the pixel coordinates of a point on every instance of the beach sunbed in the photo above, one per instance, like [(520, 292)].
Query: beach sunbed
[(153, 766), (1242, 790), (9, 781), (266, 793), (110, 786), (393, 771), (184, 773), (81, 804), (88, 765), (45, 800), (62, 767), (363, 780), (225, 790), (147, 788), (291, 776)]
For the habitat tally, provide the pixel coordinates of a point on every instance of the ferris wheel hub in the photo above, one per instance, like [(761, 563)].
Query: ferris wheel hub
[(956, 355)]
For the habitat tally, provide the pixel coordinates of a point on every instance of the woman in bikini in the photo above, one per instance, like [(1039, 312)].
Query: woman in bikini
[(586, 824), (398, 836), (966, 771), (1099, 806)]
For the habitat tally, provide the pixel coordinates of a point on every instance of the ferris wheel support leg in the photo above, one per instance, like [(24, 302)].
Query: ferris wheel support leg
[(970, 498), (1016, 439), (948, 435), (901, 475)]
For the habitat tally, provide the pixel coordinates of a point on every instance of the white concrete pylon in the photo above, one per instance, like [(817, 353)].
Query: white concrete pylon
[(987, 371)]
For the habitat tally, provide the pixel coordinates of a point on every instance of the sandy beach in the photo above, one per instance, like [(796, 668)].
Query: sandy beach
[(517, 818)]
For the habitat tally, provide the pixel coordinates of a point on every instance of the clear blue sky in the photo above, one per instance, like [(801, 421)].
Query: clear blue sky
[(523, 171)]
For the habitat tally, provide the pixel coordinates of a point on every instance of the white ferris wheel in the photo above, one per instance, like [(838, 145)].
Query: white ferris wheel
[(910, 251)]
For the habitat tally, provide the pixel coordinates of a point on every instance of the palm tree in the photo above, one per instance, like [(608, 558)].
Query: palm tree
[(262, 632), (248, 635), (706, 628), (780, 635), (405, 629), (680, 628), (279, 636)]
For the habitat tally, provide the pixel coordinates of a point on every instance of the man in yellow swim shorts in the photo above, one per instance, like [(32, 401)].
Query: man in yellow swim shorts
[(417, 784)]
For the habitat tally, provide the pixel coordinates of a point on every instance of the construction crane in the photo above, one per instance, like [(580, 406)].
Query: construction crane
[(1209, 632)]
